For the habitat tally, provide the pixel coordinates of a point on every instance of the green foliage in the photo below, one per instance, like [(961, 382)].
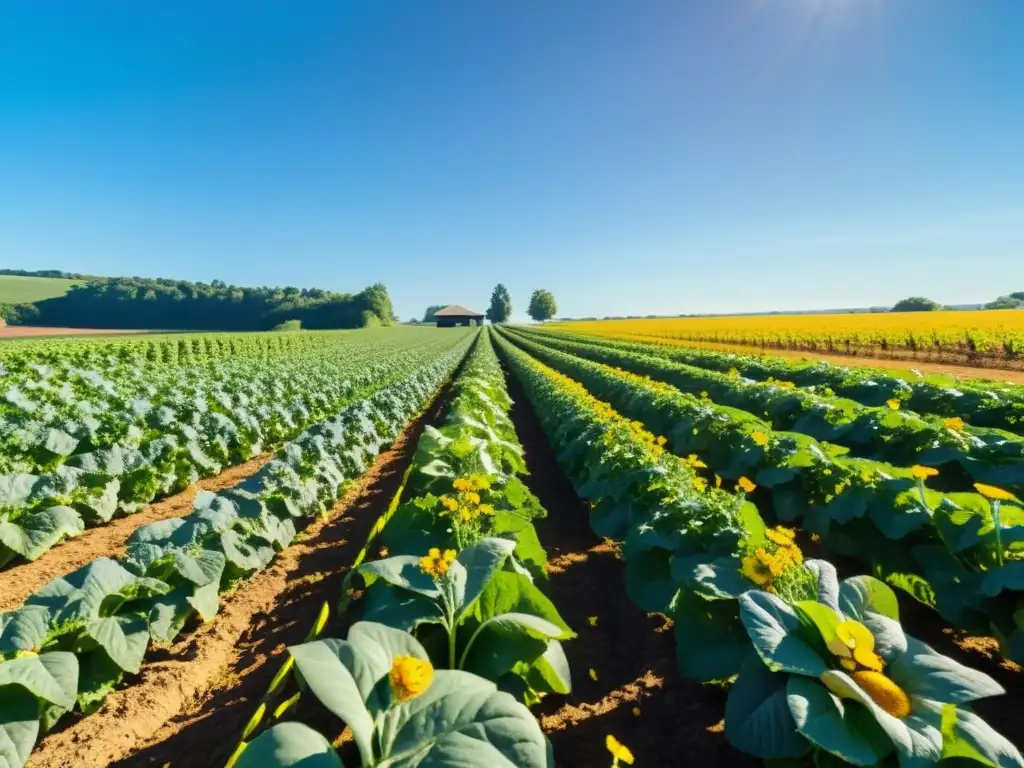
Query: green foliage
[(94, 625), (430, 315), (1006, 302), (500, 309), (542, 306), (916, 304), (178, 304), (289, 325)]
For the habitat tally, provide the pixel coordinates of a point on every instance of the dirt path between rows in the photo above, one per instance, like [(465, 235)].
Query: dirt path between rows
[(19, 582), (639, 695), (189, 707)]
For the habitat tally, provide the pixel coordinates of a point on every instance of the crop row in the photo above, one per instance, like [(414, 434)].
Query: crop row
[(994, 333), (821, 668), (456, 633), (941, 548), (978, 402), (187, 425), (887, 433), (75, 639)]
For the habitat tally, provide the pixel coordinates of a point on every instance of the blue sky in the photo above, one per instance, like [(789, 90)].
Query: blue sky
[(648, 156)]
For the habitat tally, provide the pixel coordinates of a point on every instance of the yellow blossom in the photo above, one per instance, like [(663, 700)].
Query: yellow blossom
[(449, 503), (618, 750), (410, 677), (382, 552), (636, 711), (760, 438), (855, 645), (884, 692), (780, 535), (593, 674), (746, 485), (486, 509), (718, 481), (956, 424), (894, 404), (993, 493), (756, 571), (693, 462), (436, 564), (923, 473), (592, 620)]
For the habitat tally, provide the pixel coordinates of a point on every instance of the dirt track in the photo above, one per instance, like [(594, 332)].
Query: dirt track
[(32, 331)]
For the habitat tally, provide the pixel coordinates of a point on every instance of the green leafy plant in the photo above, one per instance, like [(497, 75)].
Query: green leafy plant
[(401, 711)]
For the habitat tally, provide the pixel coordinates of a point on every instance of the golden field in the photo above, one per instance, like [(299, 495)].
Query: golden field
[(983, 336)]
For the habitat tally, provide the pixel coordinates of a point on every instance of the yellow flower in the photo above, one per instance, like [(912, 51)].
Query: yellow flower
[(662, 440), (884, 692), (956, 424), (718, 481), (854, 644), (436, 564), (894, 404), (471, 496), (636, 711), (693, 462), (486, 509), (462, 484), (923, 473), (784, 537), (593, 674), (449, 503), (592, 620), (383, 552), (746, 485), (704, 395), (793, 553), (756, 571), (410, 677), (994, 494), (760, 438), (618, 750)]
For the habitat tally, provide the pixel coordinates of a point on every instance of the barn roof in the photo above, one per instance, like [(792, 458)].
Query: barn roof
[(455, 310)]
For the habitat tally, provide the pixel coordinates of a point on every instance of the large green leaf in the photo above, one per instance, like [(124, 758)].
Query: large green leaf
[(921, 671), (16, 490), (772, 627), (332, 682), (461, 720), (481, 560), (842, 729), (401, 571), (124, 638), (757, 717), (859, 595), (711, 643), (287, 745), (964, 734), (50, 676), (19, 726), (33, 534), (24, 629)]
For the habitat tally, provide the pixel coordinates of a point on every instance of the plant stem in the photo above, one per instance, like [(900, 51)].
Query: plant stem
[(999, 532)]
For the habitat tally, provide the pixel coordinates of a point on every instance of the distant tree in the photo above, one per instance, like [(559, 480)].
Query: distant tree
[(916, 304), (1017, 295), (1005, 302), (432, 310), (542, 306), (289, 325), (500, 309)]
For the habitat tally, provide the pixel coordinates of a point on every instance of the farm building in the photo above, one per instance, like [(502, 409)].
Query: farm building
[(454, 315)]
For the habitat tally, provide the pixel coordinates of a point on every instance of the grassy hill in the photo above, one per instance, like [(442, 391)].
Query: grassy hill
[(26, 290)]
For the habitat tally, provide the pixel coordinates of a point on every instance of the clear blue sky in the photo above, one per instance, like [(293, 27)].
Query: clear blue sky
[(632, 156)]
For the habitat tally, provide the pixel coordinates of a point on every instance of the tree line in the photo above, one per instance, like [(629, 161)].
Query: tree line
[(164, 304)]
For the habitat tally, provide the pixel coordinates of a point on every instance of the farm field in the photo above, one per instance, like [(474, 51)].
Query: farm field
[(16, 289), (35, 331), (507, 546), (991, 338)]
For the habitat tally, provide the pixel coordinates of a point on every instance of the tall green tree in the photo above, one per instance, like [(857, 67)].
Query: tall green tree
[(432, 310), (500, 309), (542, 306), (916, 304)]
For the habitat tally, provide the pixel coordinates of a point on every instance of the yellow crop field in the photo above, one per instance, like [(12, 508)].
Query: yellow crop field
[(982, 337)]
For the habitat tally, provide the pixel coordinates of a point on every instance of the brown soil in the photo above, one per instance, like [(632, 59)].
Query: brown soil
[(30, 331), (17, 583), (190, 705), (997, 370), (639, 695)]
